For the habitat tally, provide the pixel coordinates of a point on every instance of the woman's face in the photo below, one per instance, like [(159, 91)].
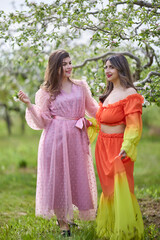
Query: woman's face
[(67, 67), (111, 72)]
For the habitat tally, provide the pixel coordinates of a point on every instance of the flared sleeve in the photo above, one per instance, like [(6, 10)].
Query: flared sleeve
[(38, 116), (133, 130), (91, 105)]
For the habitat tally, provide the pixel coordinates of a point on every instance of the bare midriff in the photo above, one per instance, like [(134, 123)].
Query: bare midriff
[(112, 129)]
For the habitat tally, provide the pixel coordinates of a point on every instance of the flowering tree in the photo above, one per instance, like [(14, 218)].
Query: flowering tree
[(22, 69), (19, 69), (109, 24), (131, 27)]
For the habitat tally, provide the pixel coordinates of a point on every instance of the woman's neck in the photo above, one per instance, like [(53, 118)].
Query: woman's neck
[(117, 86), (65, 81)]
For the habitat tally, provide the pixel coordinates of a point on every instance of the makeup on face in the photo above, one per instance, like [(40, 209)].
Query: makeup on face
[(111, 72), (67, 67)]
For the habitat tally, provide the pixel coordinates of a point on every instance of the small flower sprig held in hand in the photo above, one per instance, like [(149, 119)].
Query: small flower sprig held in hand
[(15, 96)]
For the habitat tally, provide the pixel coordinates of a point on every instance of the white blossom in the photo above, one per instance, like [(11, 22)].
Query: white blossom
[(15, 99), (146, 103), (147, 86), (97, 89), (94, 70), (92, 83), (102, 84), (84, 78)]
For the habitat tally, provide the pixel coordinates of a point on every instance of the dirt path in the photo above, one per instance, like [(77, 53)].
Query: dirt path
[(151, 211)]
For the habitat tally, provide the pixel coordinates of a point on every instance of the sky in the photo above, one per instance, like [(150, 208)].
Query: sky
[(7, 5)]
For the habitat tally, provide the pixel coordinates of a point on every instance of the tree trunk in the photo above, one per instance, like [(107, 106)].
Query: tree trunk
[(7, 118), (22, 122)]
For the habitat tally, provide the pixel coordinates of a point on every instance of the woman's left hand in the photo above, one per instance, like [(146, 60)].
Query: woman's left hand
[(123, 154)]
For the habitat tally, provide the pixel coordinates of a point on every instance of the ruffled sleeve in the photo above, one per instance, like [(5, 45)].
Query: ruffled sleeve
[(91, 104), (133, 130), (38, 116)]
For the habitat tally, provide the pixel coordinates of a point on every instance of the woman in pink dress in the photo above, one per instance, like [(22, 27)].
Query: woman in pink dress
[(65, 175)]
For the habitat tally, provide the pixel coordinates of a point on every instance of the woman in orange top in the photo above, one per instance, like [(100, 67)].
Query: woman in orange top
[(119, 118)]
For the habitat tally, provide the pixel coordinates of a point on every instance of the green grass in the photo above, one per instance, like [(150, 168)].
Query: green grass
[(18, 185), (147, 171)]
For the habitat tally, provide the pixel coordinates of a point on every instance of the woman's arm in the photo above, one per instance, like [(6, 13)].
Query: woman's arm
[(132, 135), (38, 114), (91, 104)]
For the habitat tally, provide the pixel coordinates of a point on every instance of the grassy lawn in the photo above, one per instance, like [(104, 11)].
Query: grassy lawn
[(18, 160)]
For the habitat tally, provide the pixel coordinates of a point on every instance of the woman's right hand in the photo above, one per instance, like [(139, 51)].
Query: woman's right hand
[(123, 154), (24, 98)]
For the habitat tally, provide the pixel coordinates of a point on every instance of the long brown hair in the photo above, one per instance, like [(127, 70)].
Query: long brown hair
[(120, 63), (54, 72)]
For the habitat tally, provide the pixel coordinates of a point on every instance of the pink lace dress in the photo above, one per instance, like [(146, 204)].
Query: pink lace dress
[(65, 175)]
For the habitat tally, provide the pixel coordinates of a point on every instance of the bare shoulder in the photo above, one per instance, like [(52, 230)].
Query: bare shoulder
[(130, 91)]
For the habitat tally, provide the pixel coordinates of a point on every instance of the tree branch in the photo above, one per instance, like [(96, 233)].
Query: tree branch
[(156, 58), (150, 55), (110, 53), (138, 70), (147, 79), (140, 3)]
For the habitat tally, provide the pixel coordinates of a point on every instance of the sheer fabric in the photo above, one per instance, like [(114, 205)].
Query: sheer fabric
[(132, 134), (114, 114), (126, 111), (65, 177), (119, 215), (133, 121)]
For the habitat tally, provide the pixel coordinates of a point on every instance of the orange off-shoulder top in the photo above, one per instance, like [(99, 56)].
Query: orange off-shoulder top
[(128, 112)]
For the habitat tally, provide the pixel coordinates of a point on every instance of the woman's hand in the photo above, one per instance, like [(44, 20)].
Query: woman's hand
[(24, 98), (123, 154)]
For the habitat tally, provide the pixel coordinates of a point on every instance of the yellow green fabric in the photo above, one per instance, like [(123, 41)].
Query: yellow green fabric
[(119, 216), (93, 129), (132, 134)]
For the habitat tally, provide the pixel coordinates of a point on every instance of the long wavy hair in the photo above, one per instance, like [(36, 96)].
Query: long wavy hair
[(120, 63), (54, 72)]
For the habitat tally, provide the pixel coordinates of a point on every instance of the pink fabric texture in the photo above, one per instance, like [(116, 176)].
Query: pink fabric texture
[(65, 175)]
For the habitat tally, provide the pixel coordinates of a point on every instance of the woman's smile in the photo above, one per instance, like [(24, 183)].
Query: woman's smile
[(108, 75)]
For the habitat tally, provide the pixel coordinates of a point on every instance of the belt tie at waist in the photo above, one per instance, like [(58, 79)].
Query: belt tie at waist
[(81, 122)]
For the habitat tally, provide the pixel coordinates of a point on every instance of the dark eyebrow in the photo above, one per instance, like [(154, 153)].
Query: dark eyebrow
[(109, 66), (65, 62)]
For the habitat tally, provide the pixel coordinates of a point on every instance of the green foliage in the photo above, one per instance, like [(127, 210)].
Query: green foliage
[(22, 164), (110, 22), (21, 69), (151, 91), (151, 232), (151, 116)]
